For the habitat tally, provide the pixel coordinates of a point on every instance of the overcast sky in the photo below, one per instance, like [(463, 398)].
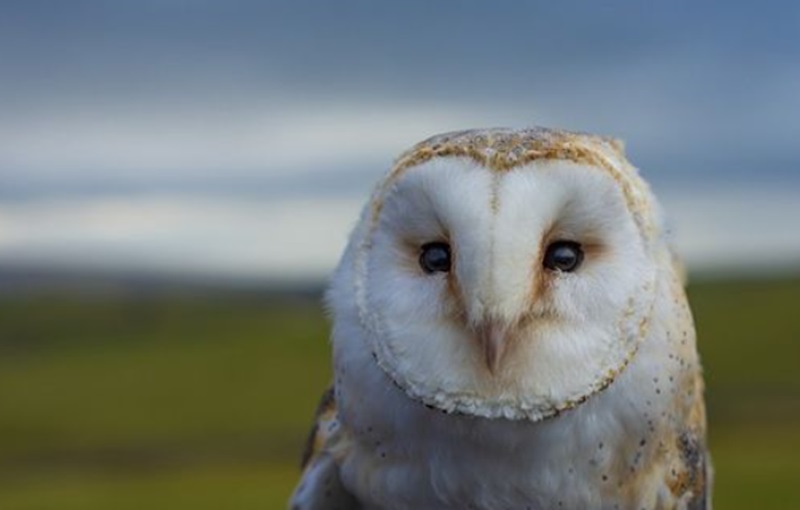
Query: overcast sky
[(240, 138)]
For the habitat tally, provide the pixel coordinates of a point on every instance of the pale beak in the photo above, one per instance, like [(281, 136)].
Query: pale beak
[(493, 338)]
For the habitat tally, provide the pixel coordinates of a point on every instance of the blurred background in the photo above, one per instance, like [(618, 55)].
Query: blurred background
[(177, 178)]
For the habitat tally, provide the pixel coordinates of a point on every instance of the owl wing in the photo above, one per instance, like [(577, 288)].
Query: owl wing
[(692, 478), (692, 485), (320, 487)]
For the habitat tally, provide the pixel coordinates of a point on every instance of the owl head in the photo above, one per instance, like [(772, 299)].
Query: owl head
[(502, 273)]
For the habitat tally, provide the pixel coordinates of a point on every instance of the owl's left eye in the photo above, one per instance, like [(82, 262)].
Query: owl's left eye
[(563, 256), (435, 257)]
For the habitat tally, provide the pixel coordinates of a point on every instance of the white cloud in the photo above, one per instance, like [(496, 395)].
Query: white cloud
[(150, 145), (740, 228), (295, 240), (154, 143), (302, 239)]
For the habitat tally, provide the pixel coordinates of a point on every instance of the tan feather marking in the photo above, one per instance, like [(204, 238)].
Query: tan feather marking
[(690, 478), (454, 288), (540, 279), (319, 434), (687, 479)]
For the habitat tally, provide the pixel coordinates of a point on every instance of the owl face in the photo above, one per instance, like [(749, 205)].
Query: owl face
[(503, 290)]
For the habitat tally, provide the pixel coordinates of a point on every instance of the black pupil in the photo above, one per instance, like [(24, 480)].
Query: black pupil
[(563, 255), (435, 257)]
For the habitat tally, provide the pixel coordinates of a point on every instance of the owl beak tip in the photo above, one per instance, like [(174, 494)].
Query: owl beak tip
[(492, 336)]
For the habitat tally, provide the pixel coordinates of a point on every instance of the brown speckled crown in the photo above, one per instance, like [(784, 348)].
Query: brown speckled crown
[(504, 148)]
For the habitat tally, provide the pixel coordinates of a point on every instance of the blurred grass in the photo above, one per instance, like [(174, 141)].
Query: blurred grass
[(203, 401)]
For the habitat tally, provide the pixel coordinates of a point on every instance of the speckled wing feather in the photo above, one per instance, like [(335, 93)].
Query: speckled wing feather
[(690, 478), (696, 477), (320, 487)]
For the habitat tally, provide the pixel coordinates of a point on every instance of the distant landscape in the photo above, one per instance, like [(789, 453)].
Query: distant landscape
[(131, 392)]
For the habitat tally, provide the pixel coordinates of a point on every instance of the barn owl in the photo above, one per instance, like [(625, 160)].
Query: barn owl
[(510, 331)]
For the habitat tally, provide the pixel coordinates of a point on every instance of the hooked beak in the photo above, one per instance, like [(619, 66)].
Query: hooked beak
[(493, 338)]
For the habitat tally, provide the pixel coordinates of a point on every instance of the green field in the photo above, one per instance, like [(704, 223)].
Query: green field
[(179, 400)]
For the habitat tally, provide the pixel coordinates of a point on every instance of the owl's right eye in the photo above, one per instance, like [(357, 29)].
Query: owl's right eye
[(435, 257)]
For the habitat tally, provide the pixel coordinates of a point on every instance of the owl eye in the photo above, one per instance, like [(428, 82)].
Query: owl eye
[(563, 256), (435, 257)]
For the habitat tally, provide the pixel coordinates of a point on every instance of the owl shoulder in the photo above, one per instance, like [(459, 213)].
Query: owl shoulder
[(320, 486)]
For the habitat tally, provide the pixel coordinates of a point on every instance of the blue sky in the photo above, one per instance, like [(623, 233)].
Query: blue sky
[(239, 138)]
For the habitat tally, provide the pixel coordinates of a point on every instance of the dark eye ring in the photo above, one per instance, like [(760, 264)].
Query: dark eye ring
[(435, 257), (564, 256)]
